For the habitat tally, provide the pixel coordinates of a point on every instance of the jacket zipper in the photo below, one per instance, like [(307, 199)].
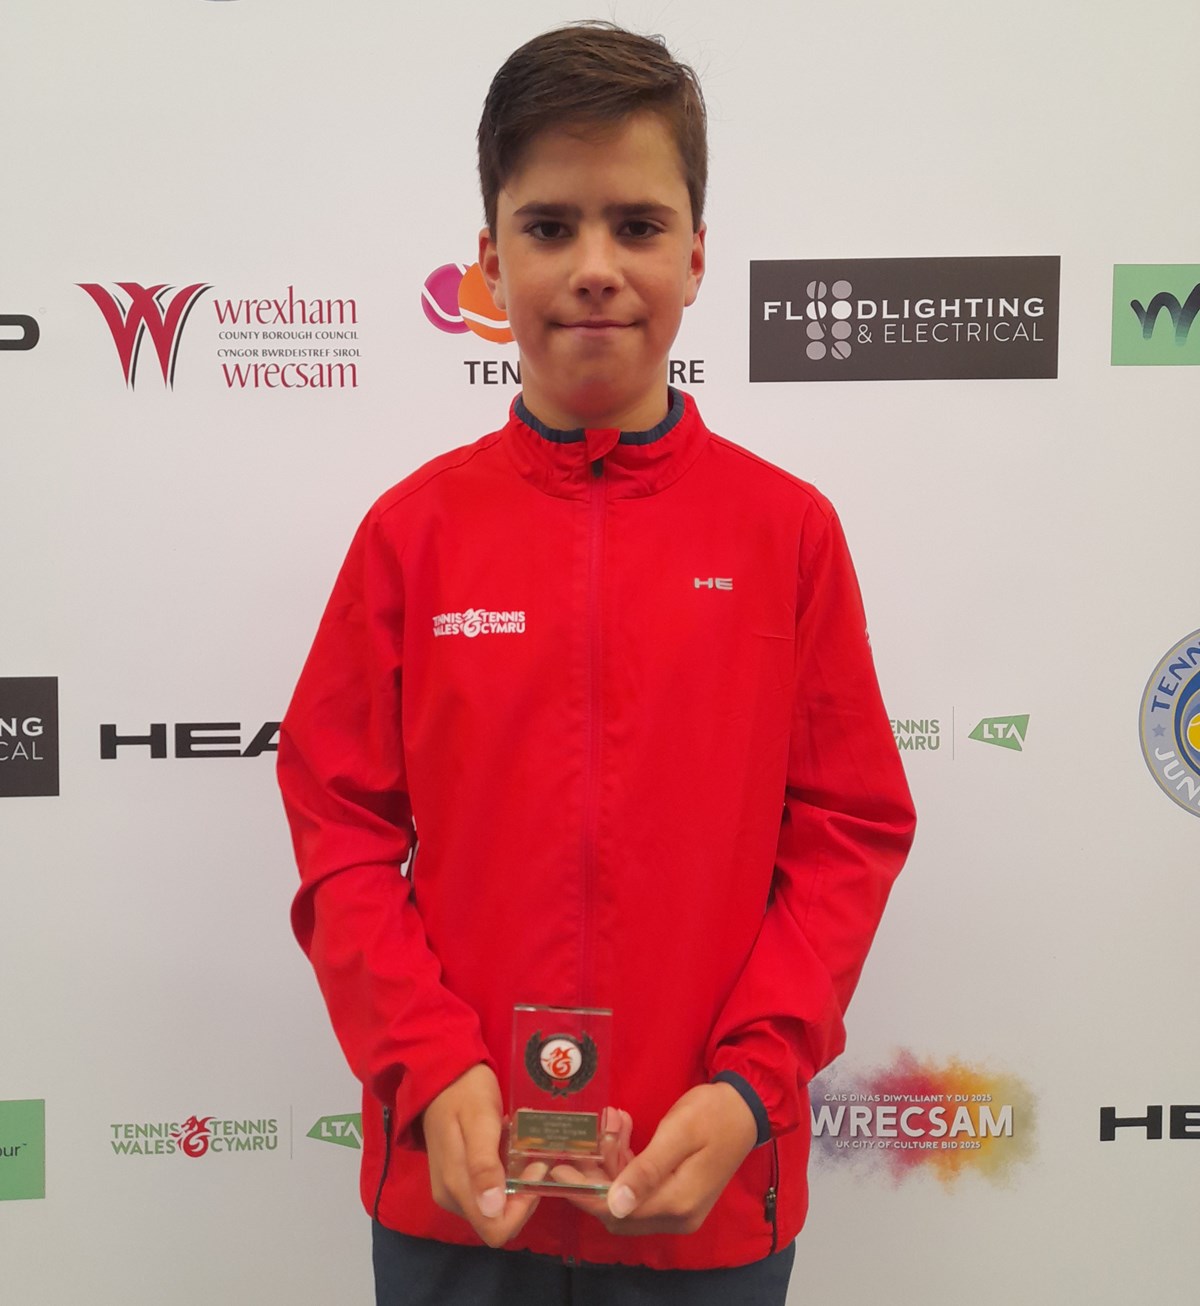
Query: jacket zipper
[(772, 1194), (387, 1157), (592, 780)]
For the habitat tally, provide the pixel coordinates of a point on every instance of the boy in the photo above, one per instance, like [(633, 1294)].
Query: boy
[(652, 773)]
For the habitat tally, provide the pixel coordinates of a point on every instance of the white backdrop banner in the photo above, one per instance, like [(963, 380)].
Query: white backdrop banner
[(954, 276)]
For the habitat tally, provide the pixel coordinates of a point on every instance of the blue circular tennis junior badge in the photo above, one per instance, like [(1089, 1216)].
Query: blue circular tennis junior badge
[(1170, 723)]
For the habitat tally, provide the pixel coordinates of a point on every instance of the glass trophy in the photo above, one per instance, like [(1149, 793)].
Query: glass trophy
[(558, 1094)]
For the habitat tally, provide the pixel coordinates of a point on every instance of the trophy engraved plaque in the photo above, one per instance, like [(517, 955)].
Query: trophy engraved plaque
[(560, 1087)]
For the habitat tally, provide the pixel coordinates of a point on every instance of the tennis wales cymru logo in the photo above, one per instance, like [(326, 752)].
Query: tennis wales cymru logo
[(159, 311), (1155, 306), (192, 1136)]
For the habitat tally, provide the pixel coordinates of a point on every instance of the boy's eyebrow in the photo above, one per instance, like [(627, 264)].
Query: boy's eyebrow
[(641, 208)]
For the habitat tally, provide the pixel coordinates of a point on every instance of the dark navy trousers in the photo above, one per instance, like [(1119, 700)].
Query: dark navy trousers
[(420, 1272)]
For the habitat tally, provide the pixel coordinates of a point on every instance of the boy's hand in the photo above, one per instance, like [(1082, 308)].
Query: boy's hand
[(673, 1184), (462, 1138)]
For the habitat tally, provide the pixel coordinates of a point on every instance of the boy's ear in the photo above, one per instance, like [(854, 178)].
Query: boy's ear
[(696, 266), (489, 265)]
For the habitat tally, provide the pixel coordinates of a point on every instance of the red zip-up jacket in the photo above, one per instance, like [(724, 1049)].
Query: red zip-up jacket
[(621, 686)]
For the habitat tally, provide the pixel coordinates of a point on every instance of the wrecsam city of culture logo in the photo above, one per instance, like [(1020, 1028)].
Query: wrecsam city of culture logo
[(195, 1137), (1155, 306), (914, 1116)]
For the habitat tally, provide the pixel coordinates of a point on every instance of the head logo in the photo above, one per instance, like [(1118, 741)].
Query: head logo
[(1170, 723), (30, 332), (148, 310), (915, 1116), (1155, 306), (345, 1131), (456, 299), (1002, 731)]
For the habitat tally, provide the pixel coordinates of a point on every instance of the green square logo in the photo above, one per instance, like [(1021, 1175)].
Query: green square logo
[(1154, 313), (22, 1150)]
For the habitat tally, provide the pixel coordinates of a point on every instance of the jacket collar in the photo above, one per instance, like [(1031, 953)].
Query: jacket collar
[(635, 463)]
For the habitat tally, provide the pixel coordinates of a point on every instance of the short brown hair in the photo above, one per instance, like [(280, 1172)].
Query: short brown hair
[(587, 73)]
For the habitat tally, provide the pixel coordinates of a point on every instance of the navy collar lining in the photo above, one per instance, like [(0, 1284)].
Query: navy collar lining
[(674, 413)]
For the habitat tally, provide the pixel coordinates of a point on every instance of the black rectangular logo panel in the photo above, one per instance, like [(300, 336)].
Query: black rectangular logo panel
[(906, 319), (28, 736)]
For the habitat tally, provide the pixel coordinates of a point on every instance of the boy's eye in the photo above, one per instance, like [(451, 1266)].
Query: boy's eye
[(640, 228), (546, 229)]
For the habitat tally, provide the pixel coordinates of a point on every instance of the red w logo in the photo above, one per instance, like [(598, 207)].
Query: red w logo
[(146, 312)]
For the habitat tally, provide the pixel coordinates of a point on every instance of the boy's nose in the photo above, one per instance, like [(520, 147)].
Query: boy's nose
[(597, 265)]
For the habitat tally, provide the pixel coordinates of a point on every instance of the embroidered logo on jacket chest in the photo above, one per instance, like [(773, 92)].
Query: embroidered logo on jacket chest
[(480, 621)]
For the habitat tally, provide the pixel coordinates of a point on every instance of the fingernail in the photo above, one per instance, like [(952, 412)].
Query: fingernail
[(491, 1203), (610, 1121), (621, 1201)]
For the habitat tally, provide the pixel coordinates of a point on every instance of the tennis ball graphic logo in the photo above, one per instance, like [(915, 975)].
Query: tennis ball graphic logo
[(455, 299), (478, 312), (439, 298), (1193, 732)]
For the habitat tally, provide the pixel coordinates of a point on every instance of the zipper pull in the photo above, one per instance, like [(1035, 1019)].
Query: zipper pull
[(769, 1205), (598, 467)]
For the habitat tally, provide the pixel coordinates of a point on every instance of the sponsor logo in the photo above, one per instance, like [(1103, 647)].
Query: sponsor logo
[(479, 621), (917, 734), (912, 1116), (903, 319), (713, 583), (1169, 723), (502, 371), (158, 311), (1002, 731), (18, 331), (29, 736), (1154, 312), (195, 1137), (22, 1150), (283, 341), (1183, 1122), (345, 1131), (192, 739)]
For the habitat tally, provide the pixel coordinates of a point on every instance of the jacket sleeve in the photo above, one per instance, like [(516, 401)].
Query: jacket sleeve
[(342, 775), (847, 826)]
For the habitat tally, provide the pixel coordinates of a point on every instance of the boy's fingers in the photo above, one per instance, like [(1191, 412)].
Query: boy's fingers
[(649, 1170)]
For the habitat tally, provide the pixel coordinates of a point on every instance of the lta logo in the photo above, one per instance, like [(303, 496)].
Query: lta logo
[(1155, 306), (1169, 723), (160, 311)]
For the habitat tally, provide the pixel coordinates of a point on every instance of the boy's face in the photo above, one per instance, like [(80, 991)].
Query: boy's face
[(594, 260)]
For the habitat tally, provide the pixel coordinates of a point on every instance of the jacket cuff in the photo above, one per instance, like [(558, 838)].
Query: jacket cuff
[(751, 1099)]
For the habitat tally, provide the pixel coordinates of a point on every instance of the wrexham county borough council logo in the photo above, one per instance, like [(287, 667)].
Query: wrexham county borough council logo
[(1170, 723), (159, 311), (1154, 312), (22, 1150)]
